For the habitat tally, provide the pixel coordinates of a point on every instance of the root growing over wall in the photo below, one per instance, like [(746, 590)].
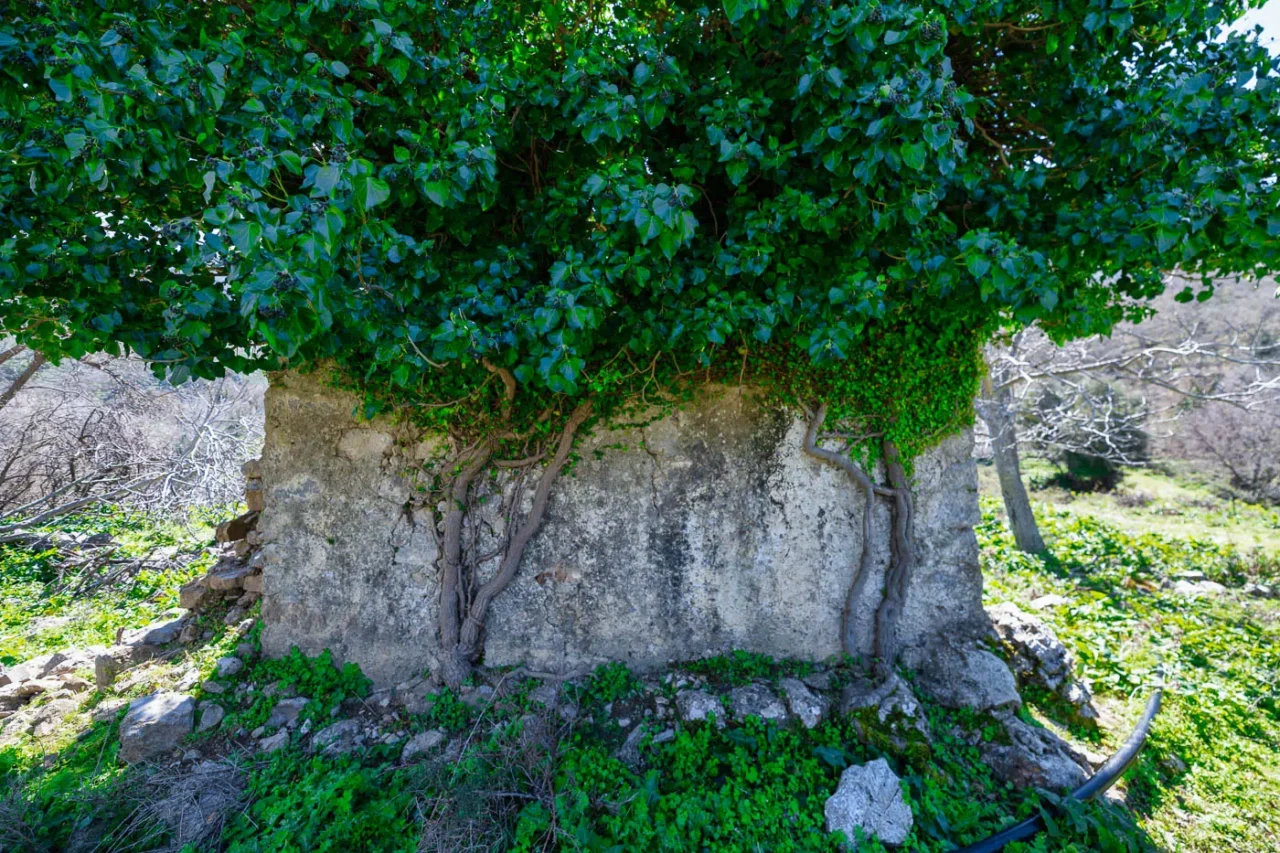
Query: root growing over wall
[(463, 601), (902, 552)]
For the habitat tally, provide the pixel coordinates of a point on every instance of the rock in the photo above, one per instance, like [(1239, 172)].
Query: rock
[(755, 700), (869, 800), (959, 674), (28, 670), (701, 476), (241, 549), (188, 635), (808, 706), (228, 578), (211, 715), (629, 752), (1038, 657), (213, 687), (253, 583), (75, 683), (228, 667), (1036, 654), (276, 741), (339, 738), (4, 676), (286, 711), (237, 528), (425, 742), (1034, 757), (252, 469), (255, 538), (1045, 602), (696, 706), (245, 651), (818, 680), (107, 709), (59, 663), (66, 662), (233, 617), (478, 697), (105, 669), (155, 725), (15, 696), (416, 695), (1254, 590), (1198, 589), (193, 593), (194, 804), (255, 499), (892, 698), (155, 634), (48, 718)]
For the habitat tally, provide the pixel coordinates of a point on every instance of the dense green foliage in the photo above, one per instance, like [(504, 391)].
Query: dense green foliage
[(607, 197), (1206, 780)]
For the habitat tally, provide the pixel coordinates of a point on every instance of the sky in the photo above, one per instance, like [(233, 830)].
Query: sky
[(1269, 17)]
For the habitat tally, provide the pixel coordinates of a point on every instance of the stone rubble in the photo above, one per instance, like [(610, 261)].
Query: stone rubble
[(237, 576), (155, 726), (808, 707), (869, 801), (1038, 657)]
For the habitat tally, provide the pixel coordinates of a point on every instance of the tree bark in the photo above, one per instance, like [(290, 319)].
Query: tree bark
[(997, 412), (37, 362)]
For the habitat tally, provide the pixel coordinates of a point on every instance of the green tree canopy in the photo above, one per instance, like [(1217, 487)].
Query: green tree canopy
[(598, 195)]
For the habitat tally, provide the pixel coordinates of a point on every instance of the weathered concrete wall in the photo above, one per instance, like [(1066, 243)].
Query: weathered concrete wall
[(711, 530)]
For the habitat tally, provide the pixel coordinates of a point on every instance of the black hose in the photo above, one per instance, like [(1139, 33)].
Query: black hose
[(1102, 780)]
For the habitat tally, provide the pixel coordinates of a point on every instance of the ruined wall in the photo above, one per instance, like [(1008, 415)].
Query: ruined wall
[(706, 531)]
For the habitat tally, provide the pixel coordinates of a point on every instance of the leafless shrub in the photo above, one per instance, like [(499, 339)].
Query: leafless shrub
[(1133, 499), (189, 805), (108, 430), (472, 804), (1247, 448)]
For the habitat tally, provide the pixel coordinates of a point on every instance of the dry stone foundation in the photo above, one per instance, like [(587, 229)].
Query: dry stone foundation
[(705, 531)]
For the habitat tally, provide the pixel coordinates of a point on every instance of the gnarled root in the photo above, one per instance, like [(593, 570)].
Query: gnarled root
[(902, 549), (462, 615)]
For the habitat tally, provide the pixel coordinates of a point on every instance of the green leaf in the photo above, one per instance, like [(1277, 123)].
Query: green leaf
[(327, 178), (370, 192), (339, 69), (244, 235), (913, 154), (736, 9), (437, 192)]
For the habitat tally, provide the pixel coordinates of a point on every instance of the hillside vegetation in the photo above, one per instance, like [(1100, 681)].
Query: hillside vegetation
[(523, 774)]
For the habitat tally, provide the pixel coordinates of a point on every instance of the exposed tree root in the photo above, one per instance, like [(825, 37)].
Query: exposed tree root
[(463, 606), (902, 548)]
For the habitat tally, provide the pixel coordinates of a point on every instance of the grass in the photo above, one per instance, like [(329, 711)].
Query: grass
[(34, 619), (1173, 502), (1208, 779), (1210, 776)]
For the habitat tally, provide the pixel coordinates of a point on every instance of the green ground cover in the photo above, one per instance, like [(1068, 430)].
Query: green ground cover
[(1208, 780)]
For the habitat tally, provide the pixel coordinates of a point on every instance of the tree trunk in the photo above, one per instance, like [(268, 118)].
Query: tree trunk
[(996, 410), (37, 362)]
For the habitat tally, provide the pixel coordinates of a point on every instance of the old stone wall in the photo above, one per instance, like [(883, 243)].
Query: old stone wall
[(706, 531)]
